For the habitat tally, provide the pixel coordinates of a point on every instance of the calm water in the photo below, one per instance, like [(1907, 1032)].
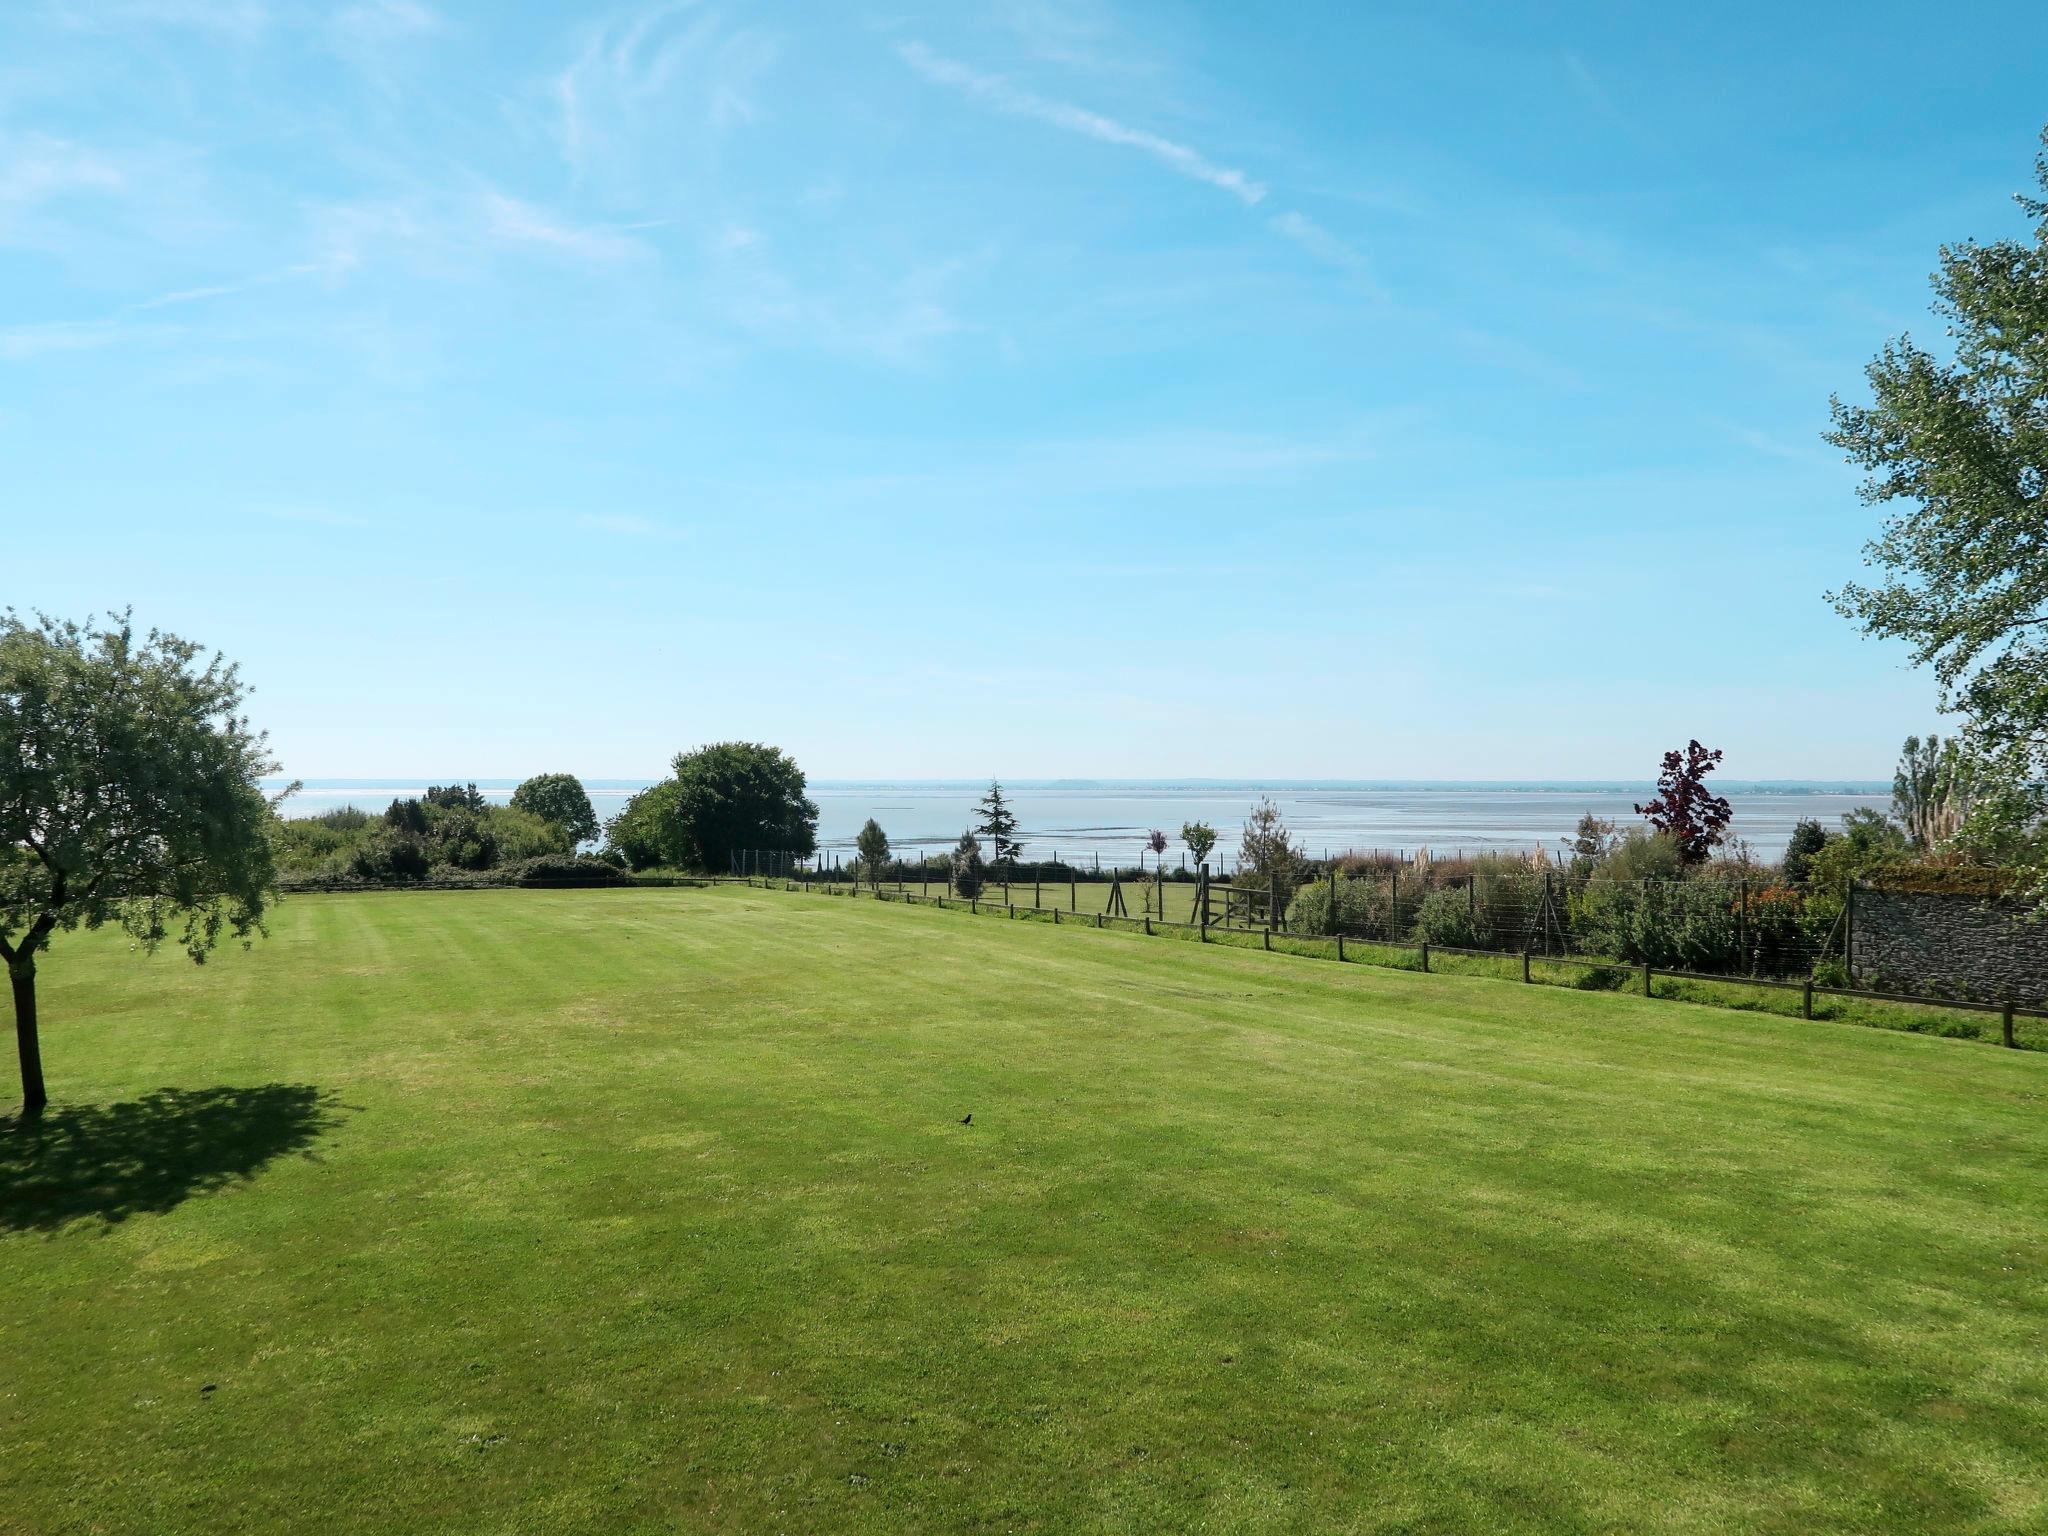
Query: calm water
[(1109, 819)]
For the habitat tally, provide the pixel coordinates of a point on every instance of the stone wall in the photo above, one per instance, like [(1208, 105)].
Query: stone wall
[(1954, 946)]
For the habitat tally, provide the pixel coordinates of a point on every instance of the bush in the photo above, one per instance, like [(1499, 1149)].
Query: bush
[(1449, 917), (566, 869), (388, 853), (1361, 908), (969, 873)]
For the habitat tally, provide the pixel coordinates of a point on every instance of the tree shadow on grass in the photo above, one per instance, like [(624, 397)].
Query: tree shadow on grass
[(113, 1161)]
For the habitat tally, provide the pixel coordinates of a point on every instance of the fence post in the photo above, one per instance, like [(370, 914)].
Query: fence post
[(1425, 957), (1037, 884), (1333, 898), (2005, 1023), (1648, 990), (1525, 962), (1742, 924), (1340, 944), (1272, 903), (1849, 928), (1394, 904)]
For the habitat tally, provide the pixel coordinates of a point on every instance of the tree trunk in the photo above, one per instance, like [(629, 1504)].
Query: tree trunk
[(23, 974)]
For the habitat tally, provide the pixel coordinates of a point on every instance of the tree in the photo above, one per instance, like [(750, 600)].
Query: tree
[(1957, 450), (456, 797), (873, 844), (737, 795), (1683, 810), (1590, 842), (644, 832), (968, 871), (1808, 838), (1199, 838), (1932, 790), (128, 794), (560, 800), (1869, 841), (1266, 854), (998, 825)]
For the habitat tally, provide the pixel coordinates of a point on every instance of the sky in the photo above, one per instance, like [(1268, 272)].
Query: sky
[(1048, 388)]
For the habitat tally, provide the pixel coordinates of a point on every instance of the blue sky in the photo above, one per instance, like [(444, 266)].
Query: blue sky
[(1055, 387)]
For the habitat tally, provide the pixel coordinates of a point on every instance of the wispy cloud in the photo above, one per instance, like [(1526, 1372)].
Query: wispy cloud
[(509, 221), (241, 20), (631, 525), (627, 65), (1330, 249), (383, 21), (24, 341), (999, 93), (37, 168), (319, 517)]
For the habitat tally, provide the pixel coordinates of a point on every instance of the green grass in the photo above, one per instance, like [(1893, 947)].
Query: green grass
[(652, 1211)]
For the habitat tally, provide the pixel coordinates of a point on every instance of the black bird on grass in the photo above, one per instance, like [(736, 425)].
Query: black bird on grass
[(967, 1119)]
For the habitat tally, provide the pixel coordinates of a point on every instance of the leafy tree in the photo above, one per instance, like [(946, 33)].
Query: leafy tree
[(999, 825), (407, 816), (1808, 838), (128, 794), (559, 799), (1590, 842), (873, 846), (1932, 790), (456, 797), (1266, 853), (644, 832), (734, 795), (1694, 819), (1199, 838), (969, 874), (1869, 841), (1957, 451)]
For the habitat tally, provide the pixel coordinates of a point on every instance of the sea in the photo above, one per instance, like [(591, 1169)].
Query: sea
[(1109, 819)]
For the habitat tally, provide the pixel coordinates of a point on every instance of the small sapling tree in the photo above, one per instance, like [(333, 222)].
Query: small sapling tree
[(128, 794), (999, 825), (969, 873), (1267, 857), (1156, 841), (873, 845), (1199, 838), (1696, 821)]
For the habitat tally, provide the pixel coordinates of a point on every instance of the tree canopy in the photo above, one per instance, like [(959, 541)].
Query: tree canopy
[(873, 846), (721, 799), (1956, 450), (560, 800), (999, 825), (1684, 810), (129, 793)]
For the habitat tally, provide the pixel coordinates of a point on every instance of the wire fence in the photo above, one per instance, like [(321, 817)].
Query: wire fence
[(1724, 927), (1915, 1012)]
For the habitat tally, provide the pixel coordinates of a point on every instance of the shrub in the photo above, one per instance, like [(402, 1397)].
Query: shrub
[(1450, 917), (566, 869), (969, 873), (1361, 908), (1808, 838), (389, 853)]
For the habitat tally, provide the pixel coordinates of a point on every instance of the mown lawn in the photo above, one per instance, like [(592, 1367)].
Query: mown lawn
[(649, 1211)]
